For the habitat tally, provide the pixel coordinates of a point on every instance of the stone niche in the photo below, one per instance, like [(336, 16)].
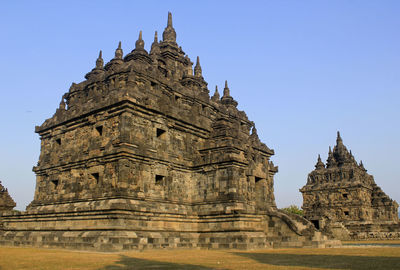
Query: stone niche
[(139, 155), (343, 200)]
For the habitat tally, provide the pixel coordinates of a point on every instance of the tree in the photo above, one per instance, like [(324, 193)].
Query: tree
[(294, 209)]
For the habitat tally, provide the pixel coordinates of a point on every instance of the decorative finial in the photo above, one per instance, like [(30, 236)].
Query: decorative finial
[(155, 49), (319, 164), (169, 34), (338, 137), (226, 90), (139, 45), (169, 19), (197, 68), (362, 166), (254, 130), (118, 52), (226, 98), (216, 96), (99, 61), (62, 105), (155, 37)]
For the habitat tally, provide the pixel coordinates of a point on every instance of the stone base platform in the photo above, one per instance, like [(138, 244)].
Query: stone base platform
[(125, 224)]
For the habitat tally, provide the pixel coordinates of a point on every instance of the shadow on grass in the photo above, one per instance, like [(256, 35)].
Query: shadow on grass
[(126, 263), (325, 261)]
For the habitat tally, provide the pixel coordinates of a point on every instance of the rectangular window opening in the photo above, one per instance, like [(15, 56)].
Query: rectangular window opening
[(99, 130), (346, 213), (55, 183), (58, 141), (316, 224), (159, 179), (258, 179), (345, 195), (160, 133), (96, 177)]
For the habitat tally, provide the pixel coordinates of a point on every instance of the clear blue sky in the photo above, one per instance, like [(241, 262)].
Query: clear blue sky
[(300, 69)]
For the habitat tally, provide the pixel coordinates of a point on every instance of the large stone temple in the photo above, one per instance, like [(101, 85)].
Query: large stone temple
[(139, 155), (344, 201)]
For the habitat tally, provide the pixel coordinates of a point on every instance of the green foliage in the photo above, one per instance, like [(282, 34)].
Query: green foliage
[(293, 209)]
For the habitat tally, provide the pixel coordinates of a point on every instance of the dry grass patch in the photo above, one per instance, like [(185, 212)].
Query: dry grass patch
[(336, 258), (50, 259)]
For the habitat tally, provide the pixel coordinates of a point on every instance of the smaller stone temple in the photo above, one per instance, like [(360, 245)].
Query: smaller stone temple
[(6, 202), (343, 200)]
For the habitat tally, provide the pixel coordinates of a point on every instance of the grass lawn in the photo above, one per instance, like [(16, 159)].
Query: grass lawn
[(335, 258)]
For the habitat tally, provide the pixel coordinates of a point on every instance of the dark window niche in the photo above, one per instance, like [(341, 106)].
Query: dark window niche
[(345, 195), (346, 213), (177, 98), (159, 179), (99, 130), (55, 183), (258, 179), (316, 224), (96, 177), (160, 133), (153, 83), (58, 141)]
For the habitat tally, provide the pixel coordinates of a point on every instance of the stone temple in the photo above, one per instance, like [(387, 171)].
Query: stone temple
[(344, 201), (140, 156), (6, 202)]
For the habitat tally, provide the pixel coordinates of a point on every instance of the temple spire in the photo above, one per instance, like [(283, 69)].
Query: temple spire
[(320, 164), (216, 96), (139, 43), (331, 161), (226, 90), (254, 131), (169, 34), (169, 23), (339, 140), (226, 98), (98, 69), (118, 52), (154, 46), (197, 68), (362, 166), (155, 37), (99, 61)]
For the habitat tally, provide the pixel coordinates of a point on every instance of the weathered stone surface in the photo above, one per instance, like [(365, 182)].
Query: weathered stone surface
[(343, 200), (139, 156), (6, 202)]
